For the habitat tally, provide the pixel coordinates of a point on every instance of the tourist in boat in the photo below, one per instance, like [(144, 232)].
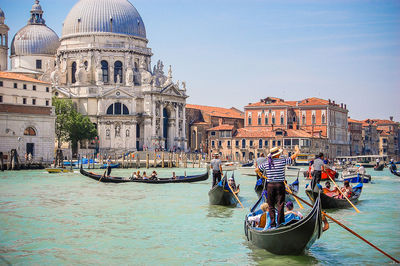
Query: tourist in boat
[(216, 166), (232, 184), (393, 166), (134, 175), (174, 176), (289, 207), (255, 220), (318, 167), (153, 176), (138, 176), (361, 170), (145, 175), (274, 168), (346, 189), (330, 192)]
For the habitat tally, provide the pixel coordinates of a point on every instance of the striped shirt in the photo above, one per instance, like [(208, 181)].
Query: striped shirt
[(277, 171)]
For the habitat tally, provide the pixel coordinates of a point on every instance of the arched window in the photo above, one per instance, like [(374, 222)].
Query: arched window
[(73, 71), (323, 118), (282, 120), (243, 143), (313, 120), (260, 143), (104, 70), (118, 71), (304, 119), (117, 109), (29, 131)]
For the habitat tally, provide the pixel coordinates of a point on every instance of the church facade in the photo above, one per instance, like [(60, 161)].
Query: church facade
[(102, 63)]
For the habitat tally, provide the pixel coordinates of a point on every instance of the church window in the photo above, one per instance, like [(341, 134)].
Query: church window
[(117, 109), (73, 72), (104, 71), (118, 71), (29, 131), (86, 65), (38, 64)]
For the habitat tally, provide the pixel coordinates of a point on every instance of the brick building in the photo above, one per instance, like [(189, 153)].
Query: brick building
[(356, 138), (201, 118), (318, 117), (27, 117), (388, 131)]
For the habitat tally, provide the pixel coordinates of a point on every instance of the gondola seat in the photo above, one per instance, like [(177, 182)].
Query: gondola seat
[(263, 220)]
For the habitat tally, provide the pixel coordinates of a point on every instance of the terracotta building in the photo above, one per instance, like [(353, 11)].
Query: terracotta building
[(356, 138), (200, 118), (318, 117), (388, 131)]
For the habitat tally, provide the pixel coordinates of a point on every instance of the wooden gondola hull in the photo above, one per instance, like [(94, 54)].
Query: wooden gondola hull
[(218, 196), (332, 203), (113, 179), (379, 167), (395, 172), (293, 239)]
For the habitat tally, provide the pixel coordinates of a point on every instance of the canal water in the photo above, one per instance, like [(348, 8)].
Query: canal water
[(58, 219)]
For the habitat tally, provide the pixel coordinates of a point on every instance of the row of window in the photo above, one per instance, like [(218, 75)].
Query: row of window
[(118, 70), (24, 86), (282, 120), (222, 134), (25, 101), (264, 143)]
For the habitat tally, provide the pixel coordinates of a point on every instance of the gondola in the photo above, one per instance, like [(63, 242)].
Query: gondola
[(178, 179), (220, 195), (291, 239), (324, 175), (379, 167), (393, 171), (258, 188), (328, 202), (113, 165)]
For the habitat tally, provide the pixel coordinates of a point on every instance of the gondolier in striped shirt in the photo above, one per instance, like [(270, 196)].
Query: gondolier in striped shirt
[(274, 171)]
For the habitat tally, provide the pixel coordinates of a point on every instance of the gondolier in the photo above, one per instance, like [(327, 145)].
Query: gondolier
[(216, 166), (318, 166), (274, 168)]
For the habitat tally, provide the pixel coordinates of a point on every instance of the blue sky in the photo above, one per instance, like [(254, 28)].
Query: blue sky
[(232, 52)]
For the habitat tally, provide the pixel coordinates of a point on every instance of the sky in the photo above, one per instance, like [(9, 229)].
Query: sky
[(231, 53)]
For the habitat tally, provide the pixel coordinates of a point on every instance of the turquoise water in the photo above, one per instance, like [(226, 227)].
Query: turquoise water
[(71, 219)]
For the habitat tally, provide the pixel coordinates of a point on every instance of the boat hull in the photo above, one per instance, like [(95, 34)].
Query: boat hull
[(219, 196), (292, 239), (332, 203), (58, 170)]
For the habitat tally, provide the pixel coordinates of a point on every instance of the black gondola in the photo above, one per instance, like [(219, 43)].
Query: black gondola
[(178, 179), (394, 171), (291, 239), (328, 202), (218, 195), (379, 167), (258, 188)]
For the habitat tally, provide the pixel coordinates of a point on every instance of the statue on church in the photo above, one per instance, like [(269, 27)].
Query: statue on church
[(99, 72), (144, 75), (117, 130)]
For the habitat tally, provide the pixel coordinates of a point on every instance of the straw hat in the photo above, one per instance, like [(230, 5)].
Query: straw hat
[(274, 151), (216, 154)]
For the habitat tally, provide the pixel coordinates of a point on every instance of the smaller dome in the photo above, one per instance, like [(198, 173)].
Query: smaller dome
[(1, 13), (36, 6), (35, 39)]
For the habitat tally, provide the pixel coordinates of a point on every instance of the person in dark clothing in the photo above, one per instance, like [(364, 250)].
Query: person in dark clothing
[(216, 166), (318, 166)]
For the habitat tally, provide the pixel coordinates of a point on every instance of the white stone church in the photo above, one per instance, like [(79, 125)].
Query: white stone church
[(103, 64)]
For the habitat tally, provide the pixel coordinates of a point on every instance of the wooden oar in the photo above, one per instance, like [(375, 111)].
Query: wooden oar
[(348, 229), (290, 191), (235, 195), (103, 175), (351, 203)]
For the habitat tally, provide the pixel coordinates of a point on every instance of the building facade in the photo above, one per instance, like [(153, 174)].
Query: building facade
[(3, 42), (318, 117), (356, 139), (27, 118), (201, 118)]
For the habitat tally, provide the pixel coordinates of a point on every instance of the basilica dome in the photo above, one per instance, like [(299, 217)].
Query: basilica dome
[(35, 38), (103, 16)]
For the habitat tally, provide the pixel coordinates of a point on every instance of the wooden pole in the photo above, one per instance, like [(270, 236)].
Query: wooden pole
[(162, 160), (351, 203), (193, 160), (199, 160), (185, 161), (137, 161), (234, 194), (155, 160), (147, 160)]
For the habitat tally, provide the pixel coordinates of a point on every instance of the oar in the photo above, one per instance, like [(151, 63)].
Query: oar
[(290, 191), (348, 229), (103, 175), (351, 203), (235, 195)]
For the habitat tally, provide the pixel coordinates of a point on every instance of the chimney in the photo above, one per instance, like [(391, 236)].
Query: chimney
[(391, 118), (345, 106), (329, 100), (333, 102), (341, 105)]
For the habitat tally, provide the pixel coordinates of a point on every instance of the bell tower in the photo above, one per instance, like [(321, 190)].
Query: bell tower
[(3, 42)]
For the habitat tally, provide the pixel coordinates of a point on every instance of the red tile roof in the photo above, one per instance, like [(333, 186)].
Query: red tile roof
[(354, 121), (218, 111), (15, 76), (221, 127), (384, 122), (281, 102)]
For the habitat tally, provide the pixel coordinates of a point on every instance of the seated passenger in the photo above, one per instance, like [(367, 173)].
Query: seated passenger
[(232, 183), (347, 189), (257, 220), (174, 176), (134, 175), (289, 206), (138, 175), (330, 192), (144, 175), (154, 175)]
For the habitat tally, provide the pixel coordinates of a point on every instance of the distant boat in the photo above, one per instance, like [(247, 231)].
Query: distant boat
[(58, 170), (113, 165)]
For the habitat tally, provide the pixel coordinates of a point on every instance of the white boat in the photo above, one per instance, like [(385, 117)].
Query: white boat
[(229, 166), (247, 170)]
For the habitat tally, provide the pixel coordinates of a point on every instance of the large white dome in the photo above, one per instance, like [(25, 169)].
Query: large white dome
[(103, 16)]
